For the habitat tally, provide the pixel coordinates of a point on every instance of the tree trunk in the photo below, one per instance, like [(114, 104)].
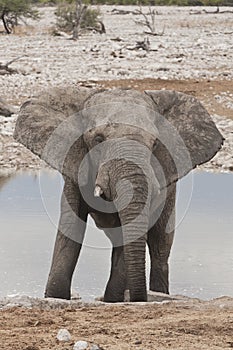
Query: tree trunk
[(4, 21), (79, 13)]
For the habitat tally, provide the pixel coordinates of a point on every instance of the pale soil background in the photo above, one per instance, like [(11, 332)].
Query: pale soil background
[(195, 55)]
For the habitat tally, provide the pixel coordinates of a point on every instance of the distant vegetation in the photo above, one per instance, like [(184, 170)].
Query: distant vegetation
[(13, 10), (147, 2), (73, 16)]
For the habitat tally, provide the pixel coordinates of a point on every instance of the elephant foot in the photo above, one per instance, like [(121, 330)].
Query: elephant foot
[(159, 283), (108, 299), (138, 296), (57, 295), (57, 289), (113, 297)]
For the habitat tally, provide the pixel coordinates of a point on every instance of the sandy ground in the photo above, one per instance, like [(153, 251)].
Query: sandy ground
[(191, 324), (194, 56), (210, 93)]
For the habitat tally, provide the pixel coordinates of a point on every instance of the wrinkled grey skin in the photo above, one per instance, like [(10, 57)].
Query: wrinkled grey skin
[(130, 136)]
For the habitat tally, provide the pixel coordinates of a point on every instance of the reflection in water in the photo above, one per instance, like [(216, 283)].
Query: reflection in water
[(202, 255), (5, 178)]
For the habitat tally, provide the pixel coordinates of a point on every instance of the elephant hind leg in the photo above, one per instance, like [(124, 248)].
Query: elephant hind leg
[(160, 239), (117, 283)]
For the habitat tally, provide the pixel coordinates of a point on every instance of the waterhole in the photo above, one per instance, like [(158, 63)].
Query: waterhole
[(201, 262)]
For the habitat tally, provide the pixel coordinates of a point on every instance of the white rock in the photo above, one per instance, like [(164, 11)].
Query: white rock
[(63, 335), (80, 345)]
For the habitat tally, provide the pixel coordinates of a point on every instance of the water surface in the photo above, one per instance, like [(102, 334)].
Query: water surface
[(201, 263)]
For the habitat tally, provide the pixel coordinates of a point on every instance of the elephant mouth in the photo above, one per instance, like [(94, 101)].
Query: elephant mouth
[(98, 192)]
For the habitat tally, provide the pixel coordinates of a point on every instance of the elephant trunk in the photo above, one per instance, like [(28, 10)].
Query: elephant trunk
[(130, 185), (134, 220)]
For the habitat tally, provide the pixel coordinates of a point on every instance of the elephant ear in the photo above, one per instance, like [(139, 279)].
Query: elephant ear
[(187, 135), (51, 126)]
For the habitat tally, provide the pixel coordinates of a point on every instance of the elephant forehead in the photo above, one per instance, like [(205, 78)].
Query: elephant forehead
[(120, 111)]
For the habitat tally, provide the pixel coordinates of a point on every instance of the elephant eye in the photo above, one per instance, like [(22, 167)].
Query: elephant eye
[(99, 138), (155, 144)]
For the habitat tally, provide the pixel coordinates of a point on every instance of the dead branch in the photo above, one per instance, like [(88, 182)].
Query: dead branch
[(80, 11), (156, 34), (144, 45), (5, 109), (227, 33), (204, 11), (99, 29), (118, 39), (123, 12), (148, 20), (212, 12), (226, 11), (5, 69)]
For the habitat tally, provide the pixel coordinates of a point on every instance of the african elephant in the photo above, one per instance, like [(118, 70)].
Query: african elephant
[(121, 153)]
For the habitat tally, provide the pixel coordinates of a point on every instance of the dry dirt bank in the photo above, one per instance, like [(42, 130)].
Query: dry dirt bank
[(174, 325), (217, 96)]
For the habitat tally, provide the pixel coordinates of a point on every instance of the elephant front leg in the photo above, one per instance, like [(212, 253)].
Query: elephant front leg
[(66, 252), (68, 242), (116, 285), (160, 239)]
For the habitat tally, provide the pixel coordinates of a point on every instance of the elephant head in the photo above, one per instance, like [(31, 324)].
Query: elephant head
[(125, 146)]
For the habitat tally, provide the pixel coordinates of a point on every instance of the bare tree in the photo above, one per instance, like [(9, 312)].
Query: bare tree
[(80, 11), (12, 11), (149, 21), (74, 17), (5, 69)]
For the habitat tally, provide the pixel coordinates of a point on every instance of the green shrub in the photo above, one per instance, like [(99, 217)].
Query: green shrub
[(11, 11), (90, 18), (164, 2), (71, 18)]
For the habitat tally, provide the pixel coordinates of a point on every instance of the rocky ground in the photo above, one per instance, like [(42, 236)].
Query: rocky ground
[(187, 47), (192, 53)]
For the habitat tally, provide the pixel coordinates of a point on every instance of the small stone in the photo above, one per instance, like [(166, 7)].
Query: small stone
[(63, 335), (80, 345), (95, 347)]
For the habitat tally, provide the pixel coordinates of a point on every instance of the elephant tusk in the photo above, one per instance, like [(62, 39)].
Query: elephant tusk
[(157, 186), (98, 191)]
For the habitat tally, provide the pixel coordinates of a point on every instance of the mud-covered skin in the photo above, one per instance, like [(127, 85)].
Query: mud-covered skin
[(102, 141)]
